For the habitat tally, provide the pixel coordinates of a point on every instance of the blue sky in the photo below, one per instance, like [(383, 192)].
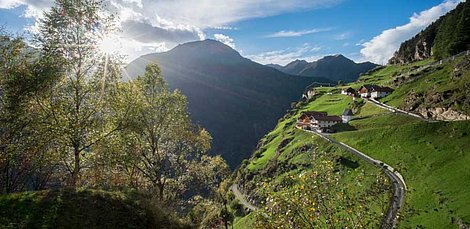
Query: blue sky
[(267, 31)]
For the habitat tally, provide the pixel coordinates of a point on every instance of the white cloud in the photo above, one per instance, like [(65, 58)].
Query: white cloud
[(381, 48), (285, 56), (223, 28), (342, 36), (149, 22), (291, 33), (225, 39), (144, 31), (34, 7), (8, 4), (210, 13)]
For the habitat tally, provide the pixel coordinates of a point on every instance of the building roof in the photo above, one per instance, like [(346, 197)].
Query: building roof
[(314, 113), (329, 118), (372, 88), (348, 112), (383, 89), (349, 89), (367, 87)]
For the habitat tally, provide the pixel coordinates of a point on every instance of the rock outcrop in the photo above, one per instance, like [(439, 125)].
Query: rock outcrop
[(445, 37), (417, 48), (433, 106), (443, 114)]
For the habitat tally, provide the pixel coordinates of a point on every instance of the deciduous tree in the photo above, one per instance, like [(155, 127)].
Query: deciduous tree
[(75, 111)]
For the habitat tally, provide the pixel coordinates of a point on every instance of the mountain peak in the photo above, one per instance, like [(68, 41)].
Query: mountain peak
[(297, 61), (333, 67), (207, 45), (206, 49), (335, 56)]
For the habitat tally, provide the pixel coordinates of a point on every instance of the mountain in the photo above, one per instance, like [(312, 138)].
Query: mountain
[(447, 36), (295, 67), (294, 170), (234, 98), (275, 66), (334, 68)]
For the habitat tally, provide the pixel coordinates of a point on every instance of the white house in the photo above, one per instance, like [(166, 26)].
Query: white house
[(325, 121), (347, 115), (348, 91), (380, 92), (317, 120), (374, 91)]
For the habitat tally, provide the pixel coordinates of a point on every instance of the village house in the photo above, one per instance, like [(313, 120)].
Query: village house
[(348, 91), (312, 120), (305, 120), (381, 92), (374, 91), (347, 115)]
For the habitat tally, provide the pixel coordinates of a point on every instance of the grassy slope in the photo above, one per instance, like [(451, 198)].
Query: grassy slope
[(333, 104), (433, 157), (80, 209), (290, 156), (385, 75), (246, 222)]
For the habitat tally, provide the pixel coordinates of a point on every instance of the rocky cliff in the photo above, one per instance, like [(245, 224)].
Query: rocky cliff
[(447, 36)]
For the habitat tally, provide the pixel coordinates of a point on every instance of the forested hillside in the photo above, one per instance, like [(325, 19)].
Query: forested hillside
[(447, 36)]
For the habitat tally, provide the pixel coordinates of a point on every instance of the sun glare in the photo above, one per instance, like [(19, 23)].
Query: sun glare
[(110, 45)]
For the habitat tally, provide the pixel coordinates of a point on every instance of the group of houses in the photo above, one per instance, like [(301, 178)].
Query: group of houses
[(368, 91), (321, 121)]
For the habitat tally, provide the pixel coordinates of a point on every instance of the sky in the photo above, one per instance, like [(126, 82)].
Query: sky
[(266, 31)]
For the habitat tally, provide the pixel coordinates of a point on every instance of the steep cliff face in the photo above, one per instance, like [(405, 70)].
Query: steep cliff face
[(417, 48), (447, 36)]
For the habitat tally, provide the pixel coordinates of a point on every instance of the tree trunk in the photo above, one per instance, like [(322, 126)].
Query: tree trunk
[(76, 169), (161, 187)]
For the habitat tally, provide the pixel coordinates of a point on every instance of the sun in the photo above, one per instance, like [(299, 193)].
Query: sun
[(110, 45)]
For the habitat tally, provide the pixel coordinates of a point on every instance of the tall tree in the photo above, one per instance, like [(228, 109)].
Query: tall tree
[(24, 73), (162, 143), (75, 111)]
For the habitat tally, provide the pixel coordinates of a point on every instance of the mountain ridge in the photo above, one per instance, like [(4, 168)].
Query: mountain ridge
[(333, 67), (236, 99)]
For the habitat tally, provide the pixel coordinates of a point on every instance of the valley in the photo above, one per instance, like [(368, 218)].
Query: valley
[(236, 99), (232, 114)]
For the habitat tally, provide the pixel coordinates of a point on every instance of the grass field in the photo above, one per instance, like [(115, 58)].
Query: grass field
[(290, 155), (81, 209), (246, 222), (434, 158)]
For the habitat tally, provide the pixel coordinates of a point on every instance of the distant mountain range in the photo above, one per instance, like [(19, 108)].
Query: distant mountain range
[(334, 68), (234, 98)]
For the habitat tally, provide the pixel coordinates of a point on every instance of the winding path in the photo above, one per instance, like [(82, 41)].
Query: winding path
[(396, 110), (399, 186), (242, 199)]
